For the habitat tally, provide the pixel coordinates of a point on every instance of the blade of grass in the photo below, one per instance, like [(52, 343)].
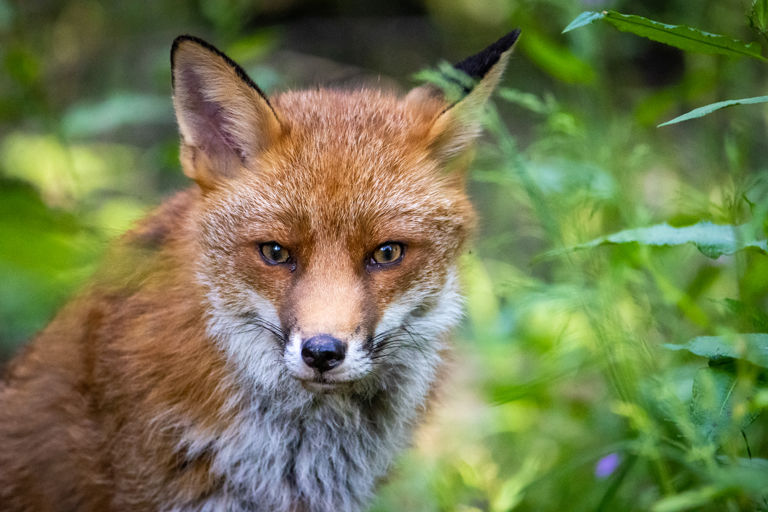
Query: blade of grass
[(708, 109)]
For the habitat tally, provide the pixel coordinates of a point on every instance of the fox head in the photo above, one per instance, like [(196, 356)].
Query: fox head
[(328, 222)]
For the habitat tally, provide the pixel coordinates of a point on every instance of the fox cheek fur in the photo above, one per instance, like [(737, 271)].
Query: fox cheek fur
[(268, 339)]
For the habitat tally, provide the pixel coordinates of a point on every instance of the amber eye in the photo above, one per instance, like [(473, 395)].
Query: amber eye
[(274, 253), (388, 253)]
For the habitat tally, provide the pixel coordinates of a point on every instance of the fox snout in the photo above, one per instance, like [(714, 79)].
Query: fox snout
[(328, 326)]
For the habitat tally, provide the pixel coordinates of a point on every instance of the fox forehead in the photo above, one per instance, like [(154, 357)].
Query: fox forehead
[(339, 141), (348, 161), (350, 117)]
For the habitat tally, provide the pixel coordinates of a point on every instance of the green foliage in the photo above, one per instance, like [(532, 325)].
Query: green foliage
[(680, 36), (687, 39), (43, 255)]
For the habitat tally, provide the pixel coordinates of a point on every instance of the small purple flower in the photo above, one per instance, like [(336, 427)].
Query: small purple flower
[(607, 465)]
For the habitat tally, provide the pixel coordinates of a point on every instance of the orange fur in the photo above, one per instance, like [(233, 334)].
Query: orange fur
[(95, 411)]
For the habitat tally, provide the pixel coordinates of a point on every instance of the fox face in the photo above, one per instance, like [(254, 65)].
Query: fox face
[(339, 244), (330, 221)]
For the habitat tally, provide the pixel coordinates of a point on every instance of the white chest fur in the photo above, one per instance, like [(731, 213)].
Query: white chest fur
[(306, 452)]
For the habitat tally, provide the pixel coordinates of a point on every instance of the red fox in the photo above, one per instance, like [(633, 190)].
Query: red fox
[(267, 339)]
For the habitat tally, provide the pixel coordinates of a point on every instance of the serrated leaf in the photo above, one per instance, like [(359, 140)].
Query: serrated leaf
[(680, 36), (708, 109), (713, 240), (752, 347)]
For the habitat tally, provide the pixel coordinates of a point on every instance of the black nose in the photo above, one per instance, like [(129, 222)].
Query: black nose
[(322, 352)]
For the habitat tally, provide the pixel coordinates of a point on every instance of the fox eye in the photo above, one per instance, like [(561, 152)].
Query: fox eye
[(274, 253), (388, 253)]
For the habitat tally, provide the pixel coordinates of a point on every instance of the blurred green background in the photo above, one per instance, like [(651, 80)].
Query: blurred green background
[(562, 393)]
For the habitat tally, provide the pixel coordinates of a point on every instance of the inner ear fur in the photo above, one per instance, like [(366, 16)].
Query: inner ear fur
[(456, 125), (224, 119)]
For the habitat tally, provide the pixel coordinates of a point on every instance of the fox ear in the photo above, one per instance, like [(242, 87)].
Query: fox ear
[(458, 121), (224, 118)]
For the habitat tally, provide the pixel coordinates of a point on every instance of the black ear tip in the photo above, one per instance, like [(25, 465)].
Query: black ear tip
[(181, 38), (505, 42), (479, 64), (184, 38), (208, 46)]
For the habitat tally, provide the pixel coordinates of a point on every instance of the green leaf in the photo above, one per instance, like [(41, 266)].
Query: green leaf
[(687, 500), (680, 36), (758, 16), (582, 19), (751, 347), (708, 109), (712, 407), (713, 240)]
